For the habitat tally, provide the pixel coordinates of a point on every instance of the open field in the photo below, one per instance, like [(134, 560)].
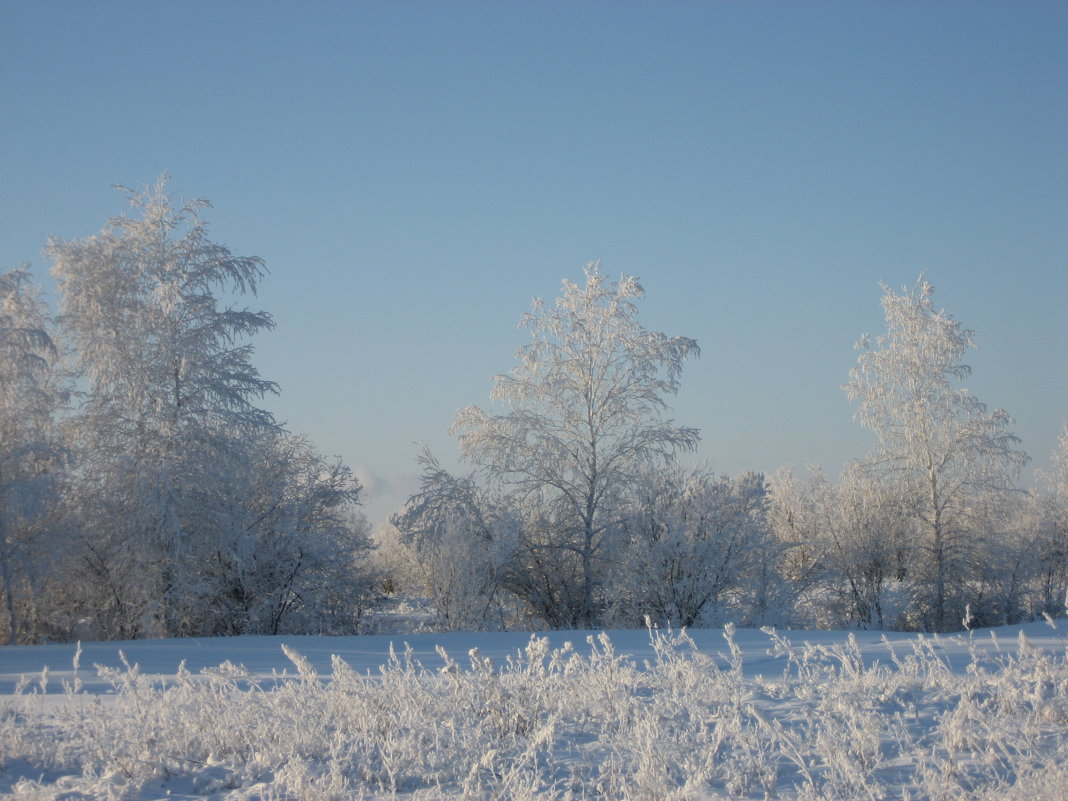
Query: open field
[(706, 714)]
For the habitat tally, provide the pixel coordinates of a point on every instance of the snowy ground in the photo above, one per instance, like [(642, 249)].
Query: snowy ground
[(566, 715)]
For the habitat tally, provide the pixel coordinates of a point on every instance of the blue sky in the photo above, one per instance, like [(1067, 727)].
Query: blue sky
[(413, 173)]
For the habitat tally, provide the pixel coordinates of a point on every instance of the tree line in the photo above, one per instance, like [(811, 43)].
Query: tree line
[(579, 513), (144, 492)]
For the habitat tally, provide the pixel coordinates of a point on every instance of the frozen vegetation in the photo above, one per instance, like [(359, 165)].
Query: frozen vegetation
[(146, 493), (707, 714), (146, 497)]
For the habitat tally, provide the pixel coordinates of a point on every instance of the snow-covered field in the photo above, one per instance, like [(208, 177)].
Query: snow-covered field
[(628, 715)]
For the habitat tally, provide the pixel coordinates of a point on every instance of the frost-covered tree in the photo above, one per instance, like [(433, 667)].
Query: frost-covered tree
[(171, 392), (290, 549), (845, 547), (1051, 544), (141, 303), (800, 510), (1009, 560), (866, 551), (31, 392), (945, 452), (455, 541), (585, 419), (692, 544)]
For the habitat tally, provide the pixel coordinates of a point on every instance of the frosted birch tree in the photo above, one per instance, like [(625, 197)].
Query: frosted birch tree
[(947, 454), (30, 451), (866, 550), (1052, 545), (170, 387), (453, 541), (290, 547), (586, 405), (692, 542), (800, 512)]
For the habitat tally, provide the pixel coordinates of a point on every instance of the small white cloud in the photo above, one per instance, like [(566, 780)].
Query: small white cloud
[(373, 484)]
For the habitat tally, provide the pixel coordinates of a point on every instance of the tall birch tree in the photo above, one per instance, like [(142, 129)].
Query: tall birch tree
[(947, 454), (586, 405), (171, 388)]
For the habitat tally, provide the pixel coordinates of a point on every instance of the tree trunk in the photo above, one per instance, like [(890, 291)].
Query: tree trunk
[(587, 575), (938, 547)]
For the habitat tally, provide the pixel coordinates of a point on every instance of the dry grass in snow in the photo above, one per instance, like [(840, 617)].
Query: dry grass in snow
[(911, 717)]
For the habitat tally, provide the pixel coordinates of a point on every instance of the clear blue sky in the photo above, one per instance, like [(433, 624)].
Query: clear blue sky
[(414, 172)]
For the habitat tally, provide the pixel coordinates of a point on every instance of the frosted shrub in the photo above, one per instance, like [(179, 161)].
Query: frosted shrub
[(557, 723)]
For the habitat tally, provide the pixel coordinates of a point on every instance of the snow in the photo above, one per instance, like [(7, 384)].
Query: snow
[(835, 715), (263, 657)]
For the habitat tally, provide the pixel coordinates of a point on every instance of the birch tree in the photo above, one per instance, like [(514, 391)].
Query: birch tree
[(935, 440), (454, 542), (30, 452), (1052, 545), (290, 547), (171, 388), (586, 405), (692, 542), (800, 513)]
